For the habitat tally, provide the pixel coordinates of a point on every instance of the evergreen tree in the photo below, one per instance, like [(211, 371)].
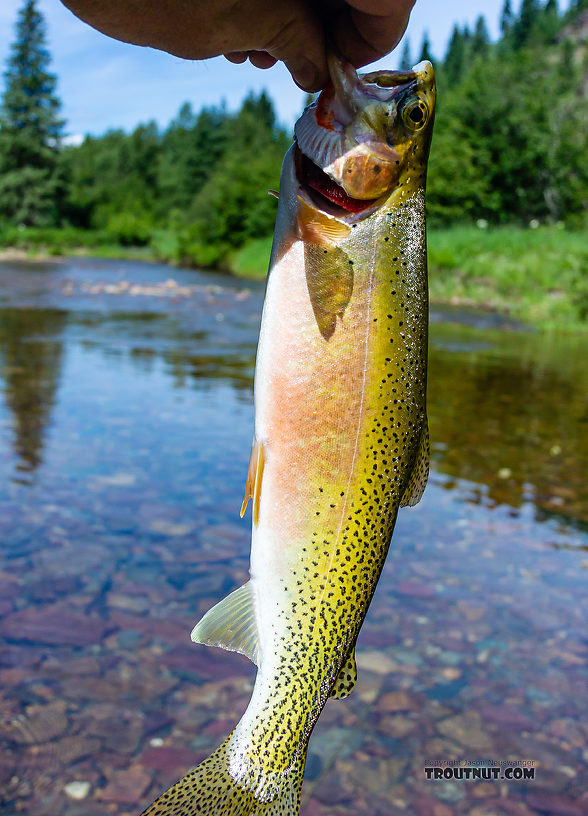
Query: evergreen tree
[(454, 58), (191, 149), (480, 38), (426, 49), (506, 18), (549, 24), (405, 59), (526, 21), (30, 128)]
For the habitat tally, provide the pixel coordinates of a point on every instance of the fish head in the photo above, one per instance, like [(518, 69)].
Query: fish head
[(365, 141)]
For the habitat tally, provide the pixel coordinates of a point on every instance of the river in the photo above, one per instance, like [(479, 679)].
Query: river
[(125, 427)]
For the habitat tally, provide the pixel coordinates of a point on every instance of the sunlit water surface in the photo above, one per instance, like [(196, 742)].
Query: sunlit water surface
[(125, 426)]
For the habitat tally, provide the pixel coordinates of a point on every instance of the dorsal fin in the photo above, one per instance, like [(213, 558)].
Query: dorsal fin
[(420, 473), (231, 624), (254, 477), (346, 679)]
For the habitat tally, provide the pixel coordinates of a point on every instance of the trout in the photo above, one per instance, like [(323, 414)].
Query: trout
[(341, 437)]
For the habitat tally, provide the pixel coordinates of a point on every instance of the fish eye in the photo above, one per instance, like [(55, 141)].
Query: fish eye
[(415, 114)]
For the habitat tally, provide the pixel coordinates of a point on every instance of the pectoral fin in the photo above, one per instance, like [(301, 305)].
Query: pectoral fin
[(316, 227), (346, 679), (329, 277), (254, 477), (420, 473), (231, 624)]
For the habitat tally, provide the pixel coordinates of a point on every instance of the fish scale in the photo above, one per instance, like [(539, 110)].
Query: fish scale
[(341, 442)]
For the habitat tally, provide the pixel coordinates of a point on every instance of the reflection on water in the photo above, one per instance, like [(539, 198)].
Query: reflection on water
[(30, 362), (511, 415), (124, 435)]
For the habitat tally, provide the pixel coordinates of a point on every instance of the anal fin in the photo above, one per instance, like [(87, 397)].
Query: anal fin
[(346, 679), (254, 477), (231, 624), (420, 472)]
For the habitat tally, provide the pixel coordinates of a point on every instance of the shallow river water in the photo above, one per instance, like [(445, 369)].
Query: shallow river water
[(125, 427)]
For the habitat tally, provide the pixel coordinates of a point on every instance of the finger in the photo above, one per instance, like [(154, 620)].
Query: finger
[(364, 36), (261, 59), (237, 57), (298, 40)]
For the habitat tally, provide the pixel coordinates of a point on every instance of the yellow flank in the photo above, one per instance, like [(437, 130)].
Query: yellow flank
[(341, 439)]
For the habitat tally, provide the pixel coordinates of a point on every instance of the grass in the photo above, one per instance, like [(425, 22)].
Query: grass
[(251, 261), (539, 276), (42, 242)]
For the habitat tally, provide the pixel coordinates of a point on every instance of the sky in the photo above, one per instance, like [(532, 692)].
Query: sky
[(106, 84)]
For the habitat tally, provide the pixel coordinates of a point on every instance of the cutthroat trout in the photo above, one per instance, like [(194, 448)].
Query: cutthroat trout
[(341, 439)]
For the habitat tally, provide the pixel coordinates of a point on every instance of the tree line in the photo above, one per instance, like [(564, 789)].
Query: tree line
[(509, 144)]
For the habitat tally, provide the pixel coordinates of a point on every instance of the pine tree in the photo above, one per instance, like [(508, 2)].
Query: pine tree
[(30, 128), (506, 18), (480, 38), (524, 25), (426, 49), (454, 58), (405, 59), (548, 24)]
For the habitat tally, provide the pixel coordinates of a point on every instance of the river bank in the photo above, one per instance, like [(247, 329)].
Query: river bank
[(538, 276)]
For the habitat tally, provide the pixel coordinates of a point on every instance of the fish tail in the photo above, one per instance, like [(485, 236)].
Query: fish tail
[(210, 790)]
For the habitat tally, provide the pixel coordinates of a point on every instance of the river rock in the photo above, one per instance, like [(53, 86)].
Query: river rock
[(554, 804), (168, 759), (398, 726), (377, 662), (506, 715), (398, 701), (467, 730), (312, 808), (54, 626), (77, 790), (415, 589), (424, 805), (125, 787), (40, 723), (511, 807), (72, 749), (481, 790)]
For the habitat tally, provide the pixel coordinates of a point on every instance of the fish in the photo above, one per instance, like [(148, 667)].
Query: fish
[(340, 436)]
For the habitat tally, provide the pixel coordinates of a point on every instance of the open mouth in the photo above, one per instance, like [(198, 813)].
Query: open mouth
[(323, 191)]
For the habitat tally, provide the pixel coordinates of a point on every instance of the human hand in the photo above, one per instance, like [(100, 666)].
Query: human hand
[(293, 31), (362, 31)]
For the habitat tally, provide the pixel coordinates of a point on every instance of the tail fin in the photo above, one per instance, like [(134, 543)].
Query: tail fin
[(210, 790)]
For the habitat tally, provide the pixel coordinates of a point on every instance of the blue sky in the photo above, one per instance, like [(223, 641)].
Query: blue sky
[(104, 83)]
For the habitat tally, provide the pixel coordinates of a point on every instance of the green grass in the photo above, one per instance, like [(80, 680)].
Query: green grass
[(251, 261), (39, 242), (538, 276)]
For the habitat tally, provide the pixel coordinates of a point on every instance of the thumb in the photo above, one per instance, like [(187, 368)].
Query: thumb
[(290, 31)]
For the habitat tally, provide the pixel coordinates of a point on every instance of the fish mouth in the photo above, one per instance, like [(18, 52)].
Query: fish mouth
[(323, 192), (328, 145)]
